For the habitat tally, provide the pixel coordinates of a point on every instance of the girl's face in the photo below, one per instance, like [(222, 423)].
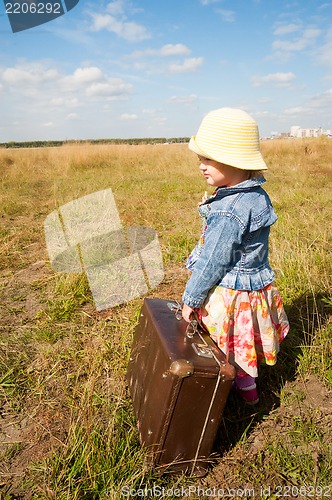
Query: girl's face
[(219, 174)]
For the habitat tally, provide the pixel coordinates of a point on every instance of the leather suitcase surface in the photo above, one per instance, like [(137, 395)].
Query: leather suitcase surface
[(179, 383)]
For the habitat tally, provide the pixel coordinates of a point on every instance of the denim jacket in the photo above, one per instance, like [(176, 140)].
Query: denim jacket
[(233, 248)]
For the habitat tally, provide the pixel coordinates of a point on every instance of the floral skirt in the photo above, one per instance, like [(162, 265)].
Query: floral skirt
[(247, 326)]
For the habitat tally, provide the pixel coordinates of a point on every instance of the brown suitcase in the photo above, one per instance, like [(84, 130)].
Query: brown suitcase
[(179, 382)]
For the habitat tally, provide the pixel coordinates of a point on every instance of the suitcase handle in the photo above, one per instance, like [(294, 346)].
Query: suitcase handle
[(176, 308), (192, 327)]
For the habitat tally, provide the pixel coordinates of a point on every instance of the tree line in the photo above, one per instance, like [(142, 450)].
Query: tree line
[(48, 144)]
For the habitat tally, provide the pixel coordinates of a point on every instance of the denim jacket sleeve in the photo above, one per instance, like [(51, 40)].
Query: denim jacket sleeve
[(222, 240)]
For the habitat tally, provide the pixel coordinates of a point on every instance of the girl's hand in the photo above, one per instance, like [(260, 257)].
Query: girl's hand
[(186, 312)]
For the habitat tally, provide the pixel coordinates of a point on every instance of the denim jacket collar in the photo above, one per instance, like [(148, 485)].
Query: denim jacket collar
[(247, 185)]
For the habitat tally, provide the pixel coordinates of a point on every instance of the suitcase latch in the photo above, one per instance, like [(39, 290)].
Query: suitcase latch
[(203, 350)]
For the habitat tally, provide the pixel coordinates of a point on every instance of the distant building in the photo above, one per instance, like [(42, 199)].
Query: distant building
[(299, 132)]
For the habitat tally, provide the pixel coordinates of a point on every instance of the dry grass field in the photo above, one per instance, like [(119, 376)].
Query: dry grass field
[(67, 429)]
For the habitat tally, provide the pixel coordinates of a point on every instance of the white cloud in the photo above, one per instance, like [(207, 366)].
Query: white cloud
[(293, 38), (190, 99), (150, 111), (115, 8), (298, 44), (264, 100), (323, 100), (187, 66), (158, 121), (39, 88), (317, 106), (81, 77), (285, 29), (323, 54), (296, 110), (156, 118), (129, 30), (115, 20), (278, 79), (227, 15), (167, 50), (65, 102), (262, 114), (112, 88), (283, 49), (127, 117), (94, 83), (325, 6), (140, 66), (174, 50), (208, 2), (72, 116), (28, 74)]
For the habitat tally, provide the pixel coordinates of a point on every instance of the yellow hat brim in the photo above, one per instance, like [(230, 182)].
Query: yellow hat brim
[(254, 162)]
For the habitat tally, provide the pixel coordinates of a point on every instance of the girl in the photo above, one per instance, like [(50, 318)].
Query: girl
[(232, 284)]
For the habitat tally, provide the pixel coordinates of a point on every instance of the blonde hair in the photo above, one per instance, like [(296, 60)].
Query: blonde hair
[(252, 174)]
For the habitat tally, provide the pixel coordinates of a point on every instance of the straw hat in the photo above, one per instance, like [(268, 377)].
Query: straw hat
[(229, 136)]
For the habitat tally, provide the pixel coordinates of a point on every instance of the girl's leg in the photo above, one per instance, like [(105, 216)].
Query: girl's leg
[(245, 386)]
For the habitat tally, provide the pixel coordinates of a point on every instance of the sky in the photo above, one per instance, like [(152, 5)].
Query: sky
[(150, 68)]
